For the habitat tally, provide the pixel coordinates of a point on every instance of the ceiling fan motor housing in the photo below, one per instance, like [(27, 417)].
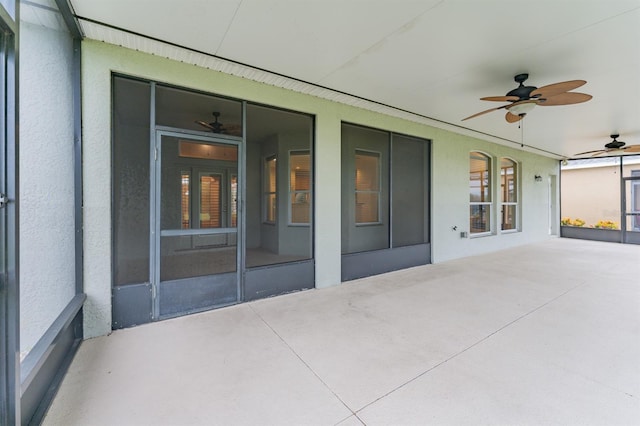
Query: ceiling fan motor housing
[(615, 144), (522, 91)]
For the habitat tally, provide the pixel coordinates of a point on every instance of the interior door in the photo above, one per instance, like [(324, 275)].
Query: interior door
[(196, 259)]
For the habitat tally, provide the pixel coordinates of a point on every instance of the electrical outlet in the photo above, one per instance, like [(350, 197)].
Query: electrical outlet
[(464, 234)]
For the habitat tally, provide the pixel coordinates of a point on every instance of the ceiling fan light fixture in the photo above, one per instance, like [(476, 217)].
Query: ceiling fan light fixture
[(521, 108)]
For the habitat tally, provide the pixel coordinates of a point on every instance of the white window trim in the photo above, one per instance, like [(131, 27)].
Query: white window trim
[(491, 204), (517, 227)]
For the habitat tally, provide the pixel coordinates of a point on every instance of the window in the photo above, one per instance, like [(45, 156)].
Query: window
[(299, 187), (186, 199), (234, 201), (509, 194), (210, 200), (479, 193), (367, 187), (270, 189), (385, 190)]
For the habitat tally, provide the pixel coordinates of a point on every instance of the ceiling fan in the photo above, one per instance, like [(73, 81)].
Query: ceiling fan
[(215, 126), (523, 98), (613, 146)]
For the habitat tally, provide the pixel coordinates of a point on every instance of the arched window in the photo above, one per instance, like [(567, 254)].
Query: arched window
[(479, 193), (509, 194)]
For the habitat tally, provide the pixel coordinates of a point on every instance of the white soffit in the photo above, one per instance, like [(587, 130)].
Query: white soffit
[(200, 25), (122, 38), (434, 58)]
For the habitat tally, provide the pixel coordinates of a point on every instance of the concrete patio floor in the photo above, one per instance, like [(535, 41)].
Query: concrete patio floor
[(547, 333)]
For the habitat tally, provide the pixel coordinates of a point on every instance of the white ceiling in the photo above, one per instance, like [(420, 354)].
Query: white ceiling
[(434, 58)]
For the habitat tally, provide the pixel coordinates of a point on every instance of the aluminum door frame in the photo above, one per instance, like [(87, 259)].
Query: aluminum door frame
[(155, 204)]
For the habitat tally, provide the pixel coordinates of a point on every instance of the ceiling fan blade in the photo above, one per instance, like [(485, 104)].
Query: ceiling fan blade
[(591, 152), (207, 125), (486, 111), (512, 118), (632, 148), (565, 99), (602, 151), (556, 88), (500, 98)]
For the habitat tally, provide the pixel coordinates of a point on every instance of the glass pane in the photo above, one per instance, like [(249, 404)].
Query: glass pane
[(131, 111), (271, 208), (508, 181), (186, 200), (270, 201), (197, 255), (270, 179), (508, 217), (210, 201), (367, 207), (234, 201), (480, 218), (479, 178), (410, 195), (365, 165), (209, 179), (590, 190), (300, 207), (367, 171), (300, 185), (196, 111), (278, 210)]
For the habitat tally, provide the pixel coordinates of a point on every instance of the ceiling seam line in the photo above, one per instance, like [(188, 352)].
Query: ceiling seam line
[(340, 92), (229, 26), (397, 30)]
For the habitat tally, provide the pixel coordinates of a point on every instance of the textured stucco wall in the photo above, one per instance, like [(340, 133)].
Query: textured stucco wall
[(47, 265), (450, 194)]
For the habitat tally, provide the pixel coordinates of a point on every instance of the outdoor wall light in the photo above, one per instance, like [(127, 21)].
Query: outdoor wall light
[(538, 178)]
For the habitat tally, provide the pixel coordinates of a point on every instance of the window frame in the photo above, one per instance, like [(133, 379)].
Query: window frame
[(516, 191), (293, 193), (378, 192), (266, 191), (490, 202)]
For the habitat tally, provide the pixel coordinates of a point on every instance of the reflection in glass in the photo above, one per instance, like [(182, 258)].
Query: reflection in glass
[(480, 218), (479, 192), (479, 179), (508, 217)]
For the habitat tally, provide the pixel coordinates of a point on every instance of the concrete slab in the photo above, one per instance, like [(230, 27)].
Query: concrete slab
[(547, 333)]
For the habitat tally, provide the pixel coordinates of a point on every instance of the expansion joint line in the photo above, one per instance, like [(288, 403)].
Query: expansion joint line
[(488, 336), (303, 362)]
